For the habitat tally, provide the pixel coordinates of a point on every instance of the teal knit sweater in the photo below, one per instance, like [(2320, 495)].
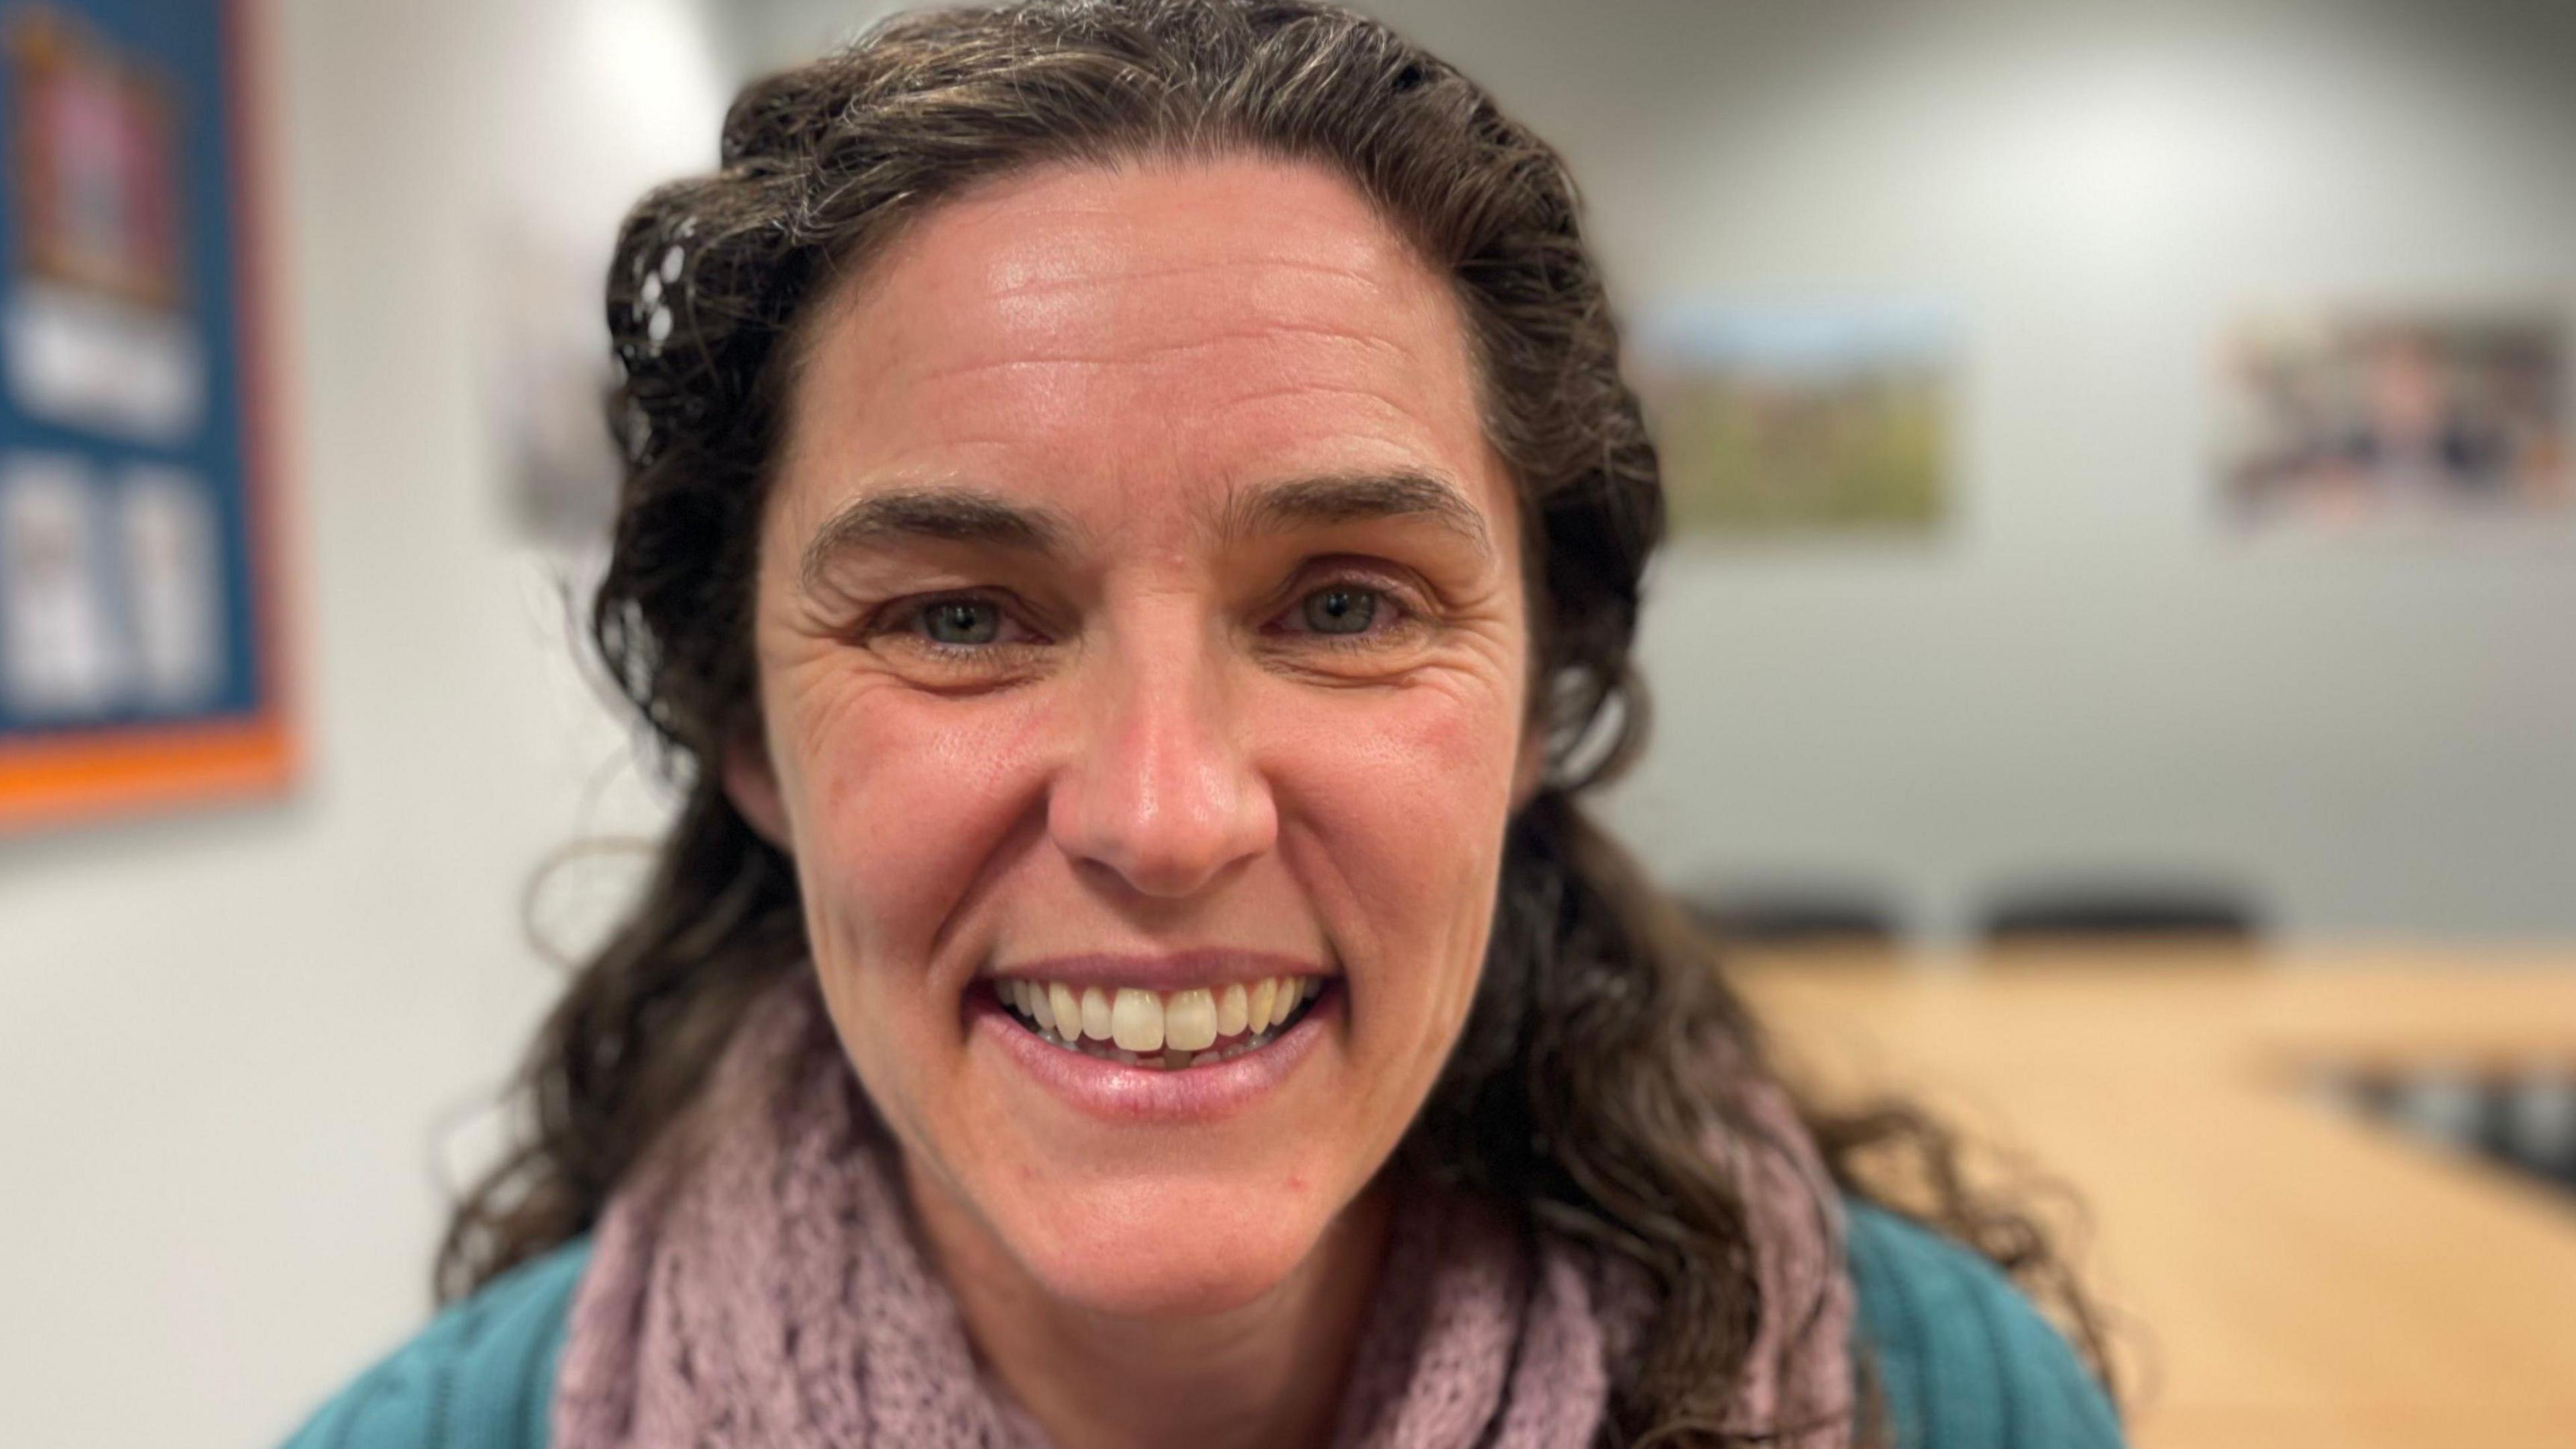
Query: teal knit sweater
[(1961, 1358)]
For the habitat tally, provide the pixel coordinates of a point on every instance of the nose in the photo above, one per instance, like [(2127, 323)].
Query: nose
[(1161, 790)]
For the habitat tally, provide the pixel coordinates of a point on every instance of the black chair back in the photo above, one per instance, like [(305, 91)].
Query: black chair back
[(1797, 918), (2112, 911)]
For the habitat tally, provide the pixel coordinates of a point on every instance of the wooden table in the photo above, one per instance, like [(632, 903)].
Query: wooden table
[(2289, 1275)]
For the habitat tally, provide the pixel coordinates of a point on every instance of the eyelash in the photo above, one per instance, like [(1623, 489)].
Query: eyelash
[(905, 615)]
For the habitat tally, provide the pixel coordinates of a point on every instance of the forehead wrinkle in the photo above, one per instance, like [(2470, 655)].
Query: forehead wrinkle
[(1369, 416), (1013, 280), (1179, 347)]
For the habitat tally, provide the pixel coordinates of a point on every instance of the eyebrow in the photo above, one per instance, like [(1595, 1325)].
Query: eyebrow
[(961, 514), (1356, 498), (949, 513)]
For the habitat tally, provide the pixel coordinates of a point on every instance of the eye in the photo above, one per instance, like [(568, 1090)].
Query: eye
[(1340, 609), (953, 630), (961, 621)]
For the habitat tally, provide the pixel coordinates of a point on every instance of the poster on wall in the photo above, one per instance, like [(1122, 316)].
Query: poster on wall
[(2365, 416), (1776, 422), (139, 665)]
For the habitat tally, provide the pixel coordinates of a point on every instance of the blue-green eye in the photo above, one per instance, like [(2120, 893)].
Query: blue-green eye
[(961, 621), (1341, 609)]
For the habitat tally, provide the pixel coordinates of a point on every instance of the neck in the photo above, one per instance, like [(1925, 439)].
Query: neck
[(1265, 1375)]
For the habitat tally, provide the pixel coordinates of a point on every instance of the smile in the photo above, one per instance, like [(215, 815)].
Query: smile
[(1184, 1039), (1157, 1030)]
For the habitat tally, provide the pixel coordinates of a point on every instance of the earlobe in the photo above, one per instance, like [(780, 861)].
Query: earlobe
[(751, 783)]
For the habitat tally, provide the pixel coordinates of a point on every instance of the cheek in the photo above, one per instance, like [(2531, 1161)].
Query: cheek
[(1406, 794), (900, 802)]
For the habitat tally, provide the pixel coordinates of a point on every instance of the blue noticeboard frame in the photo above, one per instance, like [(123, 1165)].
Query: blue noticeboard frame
[(141, 659)]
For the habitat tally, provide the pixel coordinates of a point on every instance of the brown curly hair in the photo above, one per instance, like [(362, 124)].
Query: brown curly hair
[(1573, 1096)]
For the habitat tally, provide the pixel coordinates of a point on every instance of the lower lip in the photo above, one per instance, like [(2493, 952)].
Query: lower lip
[(1121, 1093)]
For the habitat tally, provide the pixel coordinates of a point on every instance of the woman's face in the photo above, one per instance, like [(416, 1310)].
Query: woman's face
[(1141, 632)]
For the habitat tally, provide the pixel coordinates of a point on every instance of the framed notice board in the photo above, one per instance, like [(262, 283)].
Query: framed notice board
[(140, 662)]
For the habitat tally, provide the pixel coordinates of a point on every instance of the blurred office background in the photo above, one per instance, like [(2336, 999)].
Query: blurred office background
[(249, 1049)]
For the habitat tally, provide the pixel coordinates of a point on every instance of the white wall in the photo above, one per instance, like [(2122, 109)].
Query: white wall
[(2090, 669), (232, 1039)]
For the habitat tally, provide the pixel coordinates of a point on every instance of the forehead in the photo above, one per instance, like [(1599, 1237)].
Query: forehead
[(1134, 343)]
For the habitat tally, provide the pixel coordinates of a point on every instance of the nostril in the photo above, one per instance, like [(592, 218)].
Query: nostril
[(1166, 798), (1167, 858)]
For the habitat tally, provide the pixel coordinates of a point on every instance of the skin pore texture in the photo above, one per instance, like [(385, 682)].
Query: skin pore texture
[(1087, 480)]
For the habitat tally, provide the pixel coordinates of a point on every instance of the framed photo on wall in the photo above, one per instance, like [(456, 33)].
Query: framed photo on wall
[(2365, 416), (1801, 422), (141, 664)]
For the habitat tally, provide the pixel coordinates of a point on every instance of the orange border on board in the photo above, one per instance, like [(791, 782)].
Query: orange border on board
[(105, 773), (125, 770)]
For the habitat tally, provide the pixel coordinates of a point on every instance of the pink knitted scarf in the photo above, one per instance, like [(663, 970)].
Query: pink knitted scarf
[(771, 1296)]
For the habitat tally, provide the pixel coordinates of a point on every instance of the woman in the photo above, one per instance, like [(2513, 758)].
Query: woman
[(1132, 539)]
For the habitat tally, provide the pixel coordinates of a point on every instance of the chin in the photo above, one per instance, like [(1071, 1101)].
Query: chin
[(1165, 1251)]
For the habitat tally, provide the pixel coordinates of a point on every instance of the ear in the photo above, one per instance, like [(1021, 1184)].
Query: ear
[(751, 783)]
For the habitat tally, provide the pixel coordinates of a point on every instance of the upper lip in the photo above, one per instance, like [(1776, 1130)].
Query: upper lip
[(1177, 971)]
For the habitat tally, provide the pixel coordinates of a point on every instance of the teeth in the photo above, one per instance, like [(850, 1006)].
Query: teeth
[(1193, 1027), (1136, 1022), (1189, 1021)]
